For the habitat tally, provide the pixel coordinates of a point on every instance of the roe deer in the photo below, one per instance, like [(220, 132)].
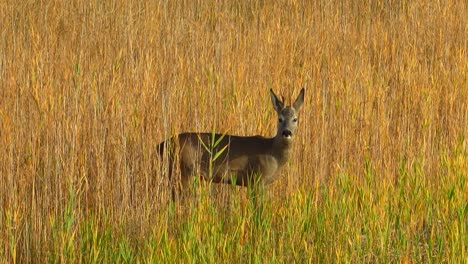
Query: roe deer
[(233, 159)]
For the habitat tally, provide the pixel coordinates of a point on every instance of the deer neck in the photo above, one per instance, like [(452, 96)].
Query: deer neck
[(281, 149)]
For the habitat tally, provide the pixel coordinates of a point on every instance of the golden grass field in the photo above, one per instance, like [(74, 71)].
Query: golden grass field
[(89, 88)]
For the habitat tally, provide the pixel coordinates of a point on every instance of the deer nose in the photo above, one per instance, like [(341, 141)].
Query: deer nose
[(287, 133)]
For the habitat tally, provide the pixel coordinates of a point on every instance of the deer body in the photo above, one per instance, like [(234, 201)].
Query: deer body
[(230, 159)]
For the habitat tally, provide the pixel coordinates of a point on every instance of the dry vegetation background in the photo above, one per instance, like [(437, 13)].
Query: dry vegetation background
[(89, 88)]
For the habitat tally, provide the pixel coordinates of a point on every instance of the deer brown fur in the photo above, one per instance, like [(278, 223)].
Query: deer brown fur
[(230, 159)]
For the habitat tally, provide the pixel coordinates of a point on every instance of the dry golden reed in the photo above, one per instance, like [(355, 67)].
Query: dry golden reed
[(89, 88)]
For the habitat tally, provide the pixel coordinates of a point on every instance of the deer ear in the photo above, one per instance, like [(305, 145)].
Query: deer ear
[(299, 100), (277, 104)]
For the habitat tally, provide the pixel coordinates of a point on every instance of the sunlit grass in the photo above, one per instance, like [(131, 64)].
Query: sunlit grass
[(380, 164)]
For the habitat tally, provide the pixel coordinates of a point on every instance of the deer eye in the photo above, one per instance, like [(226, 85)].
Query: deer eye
[(280, 120), (295, 119)]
